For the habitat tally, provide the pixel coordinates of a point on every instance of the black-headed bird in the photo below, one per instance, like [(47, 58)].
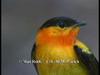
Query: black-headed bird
[(59, 52)]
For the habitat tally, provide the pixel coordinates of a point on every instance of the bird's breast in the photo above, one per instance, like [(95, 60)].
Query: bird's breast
[(51, 52), (52, 56)]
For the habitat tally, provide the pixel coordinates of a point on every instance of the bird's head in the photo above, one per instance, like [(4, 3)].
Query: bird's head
[(59, 30)]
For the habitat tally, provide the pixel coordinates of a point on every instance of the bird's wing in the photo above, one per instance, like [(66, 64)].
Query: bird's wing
[(33, 56), (86, 56)]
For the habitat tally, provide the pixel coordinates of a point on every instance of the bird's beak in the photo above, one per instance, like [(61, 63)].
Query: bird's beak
[(80, 24)]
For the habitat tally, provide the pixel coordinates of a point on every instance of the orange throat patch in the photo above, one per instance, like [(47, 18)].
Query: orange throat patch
[(56, 38)]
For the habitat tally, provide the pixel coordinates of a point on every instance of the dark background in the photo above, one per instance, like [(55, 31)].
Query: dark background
[(22, 18)]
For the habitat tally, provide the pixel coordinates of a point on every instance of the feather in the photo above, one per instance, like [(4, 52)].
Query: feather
[(88, 59)]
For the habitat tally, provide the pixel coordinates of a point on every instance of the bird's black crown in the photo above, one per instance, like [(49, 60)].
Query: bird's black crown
[(60, 21)]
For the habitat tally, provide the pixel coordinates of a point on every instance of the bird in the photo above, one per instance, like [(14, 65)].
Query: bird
[(60, 51)]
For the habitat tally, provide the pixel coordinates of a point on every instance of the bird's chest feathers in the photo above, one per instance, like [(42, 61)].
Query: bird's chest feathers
[(55, 47), (48, 52)]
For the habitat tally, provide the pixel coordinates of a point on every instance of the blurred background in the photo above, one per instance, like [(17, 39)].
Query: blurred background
[(22, 18)]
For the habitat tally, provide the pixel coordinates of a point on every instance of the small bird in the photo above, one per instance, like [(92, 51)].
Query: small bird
[(59, 50)]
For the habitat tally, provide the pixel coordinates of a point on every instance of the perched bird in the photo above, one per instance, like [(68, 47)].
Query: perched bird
[(60, 51)]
